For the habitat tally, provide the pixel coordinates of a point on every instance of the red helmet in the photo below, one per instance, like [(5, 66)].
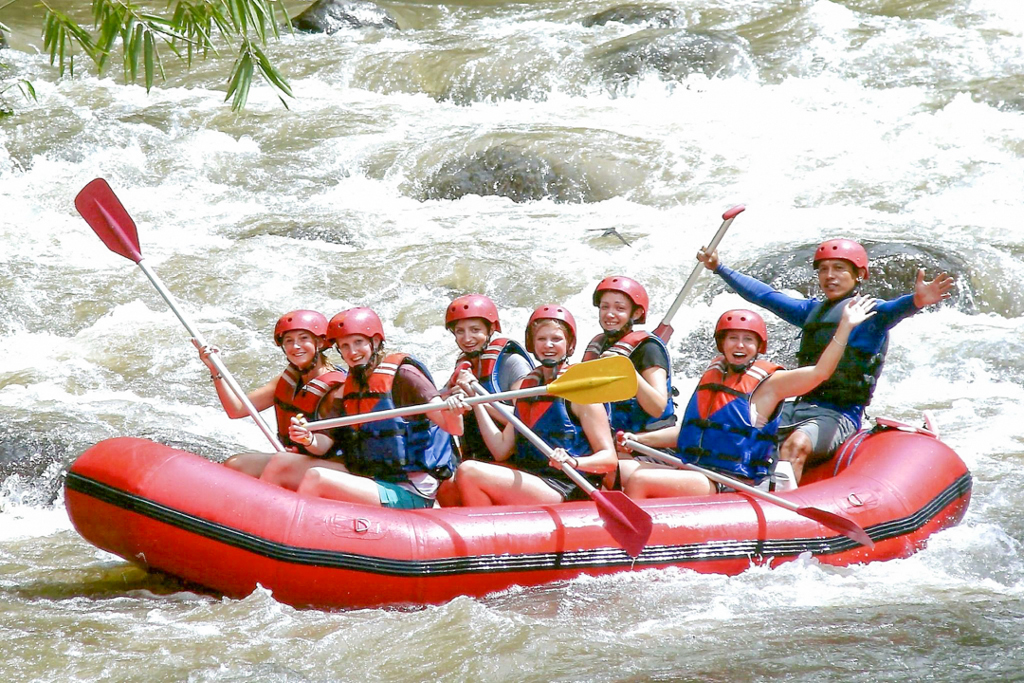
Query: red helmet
[(311, 321), (742, 319), (631, 288), (355, 321), (472, 306), (552, 312), (847, 250)]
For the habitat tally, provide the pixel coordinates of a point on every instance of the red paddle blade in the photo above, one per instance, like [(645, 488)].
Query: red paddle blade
[(733, 212), (627, 522), (103, 211), (847, 527), (663, 332)]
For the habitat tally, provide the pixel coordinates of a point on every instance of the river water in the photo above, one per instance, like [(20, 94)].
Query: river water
[(506, 148)]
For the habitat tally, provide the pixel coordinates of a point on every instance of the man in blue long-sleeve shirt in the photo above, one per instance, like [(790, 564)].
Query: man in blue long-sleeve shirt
[(822, 420)]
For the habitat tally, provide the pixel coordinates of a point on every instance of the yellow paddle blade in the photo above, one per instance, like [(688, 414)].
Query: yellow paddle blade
[(604, 380)]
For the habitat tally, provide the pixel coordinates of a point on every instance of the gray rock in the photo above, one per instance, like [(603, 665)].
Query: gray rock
[(506, 171), (328, 16), (652, 15), (673, 53)]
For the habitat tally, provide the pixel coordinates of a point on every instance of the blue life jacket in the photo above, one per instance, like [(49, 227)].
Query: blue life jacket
[(552, 420), (628, 415), (853, 383), (389, 449), (716, 432)]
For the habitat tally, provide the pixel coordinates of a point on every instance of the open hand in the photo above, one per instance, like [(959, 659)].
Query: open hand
[(928, 293), (859, 309)]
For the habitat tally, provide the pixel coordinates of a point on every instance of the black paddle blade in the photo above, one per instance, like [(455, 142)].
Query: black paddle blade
[(627, 522), (107, 217), (847, 527)]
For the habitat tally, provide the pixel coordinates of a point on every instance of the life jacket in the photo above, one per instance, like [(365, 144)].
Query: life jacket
[(550, 418), (487, 368), (853, 383), (716, 432), (389, 449), (291, 398), (628, 416)]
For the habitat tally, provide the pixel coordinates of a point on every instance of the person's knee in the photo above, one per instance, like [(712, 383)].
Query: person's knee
[(310, 484), (796, 448)]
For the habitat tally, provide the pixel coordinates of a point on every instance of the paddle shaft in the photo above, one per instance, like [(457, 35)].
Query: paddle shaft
[(334, 422), (712, 475), (836, 522), (626, 522), (532, 437), (236, 389), (596, 381), (664, 330)]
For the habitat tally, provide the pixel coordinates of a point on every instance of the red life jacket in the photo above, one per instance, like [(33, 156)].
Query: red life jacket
[(290, 399)]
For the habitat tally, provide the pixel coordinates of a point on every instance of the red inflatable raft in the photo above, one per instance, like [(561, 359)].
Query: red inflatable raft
[(179, 513)]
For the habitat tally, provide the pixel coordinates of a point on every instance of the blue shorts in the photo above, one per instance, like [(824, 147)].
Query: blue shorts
[(399, 497)]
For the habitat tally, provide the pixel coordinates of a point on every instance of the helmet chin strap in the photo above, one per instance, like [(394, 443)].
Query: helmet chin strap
[(552, 362), (741, 368)]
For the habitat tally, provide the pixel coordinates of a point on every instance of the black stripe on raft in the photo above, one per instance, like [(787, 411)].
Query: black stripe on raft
[(577, 559)]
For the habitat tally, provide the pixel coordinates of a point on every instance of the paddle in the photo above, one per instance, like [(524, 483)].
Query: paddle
[(108, 218), (628, 523), (664, 329), (603, 380), (843, 525)]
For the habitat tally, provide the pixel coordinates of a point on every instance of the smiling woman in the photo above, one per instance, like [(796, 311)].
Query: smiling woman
[(299, 390)]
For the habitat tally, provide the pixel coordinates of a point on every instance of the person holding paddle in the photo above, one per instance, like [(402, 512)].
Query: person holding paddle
[(730, 422), (393, 462), (301, 335), (621, 303), (496, 361), (579, 433), (818, 422)]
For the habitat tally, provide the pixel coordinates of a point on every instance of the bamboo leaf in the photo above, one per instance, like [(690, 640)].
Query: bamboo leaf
[(271, 73), (135, 50), (150, 52)]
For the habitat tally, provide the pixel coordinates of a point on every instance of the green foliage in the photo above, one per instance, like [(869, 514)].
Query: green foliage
[(24, 87), (194, 28)]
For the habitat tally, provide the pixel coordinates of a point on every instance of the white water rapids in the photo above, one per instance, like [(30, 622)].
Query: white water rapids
[(896, 122)]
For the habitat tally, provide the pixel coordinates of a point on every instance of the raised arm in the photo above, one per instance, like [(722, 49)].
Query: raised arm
[(793, 311), (261, 398), (786, 383)]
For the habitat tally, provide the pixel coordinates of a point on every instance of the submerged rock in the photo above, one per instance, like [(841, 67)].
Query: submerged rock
[(506, 171), (673, 53), (652, 15), (328, 16)]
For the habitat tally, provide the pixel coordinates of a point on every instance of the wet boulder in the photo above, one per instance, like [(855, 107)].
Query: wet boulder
[(672, 53), (328, 16), (652, 15), (507, 171)]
